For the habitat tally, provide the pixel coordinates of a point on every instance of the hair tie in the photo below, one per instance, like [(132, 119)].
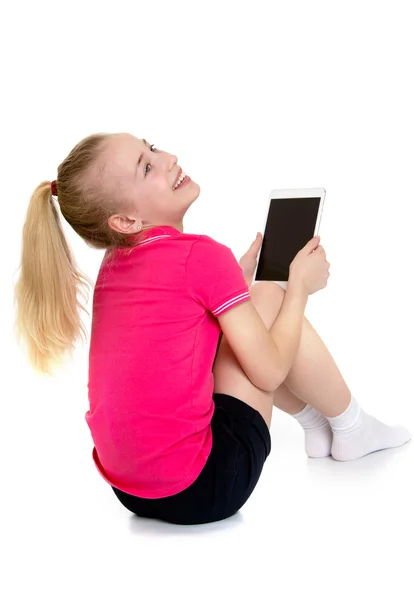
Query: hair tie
[(53, 188)]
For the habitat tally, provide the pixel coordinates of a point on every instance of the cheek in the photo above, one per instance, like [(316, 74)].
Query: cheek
[(162, 187)]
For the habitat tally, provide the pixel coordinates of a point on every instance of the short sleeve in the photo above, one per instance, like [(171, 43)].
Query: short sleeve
[(214, 277)]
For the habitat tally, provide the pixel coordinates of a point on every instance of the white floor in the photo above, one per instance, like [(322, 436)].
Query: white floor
[(311, 529)]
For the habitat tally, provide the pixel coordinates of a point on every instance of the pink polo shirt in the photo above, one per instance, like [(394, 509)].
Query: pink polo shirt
[(153, 342)]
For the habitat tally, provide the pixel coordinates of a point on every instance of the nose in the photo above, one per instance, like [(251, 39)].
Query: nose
[(170, 159), (173, 160)]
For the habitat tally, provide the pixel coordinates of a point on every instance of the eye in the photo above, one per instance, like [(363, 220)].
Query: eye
[(153, 149)]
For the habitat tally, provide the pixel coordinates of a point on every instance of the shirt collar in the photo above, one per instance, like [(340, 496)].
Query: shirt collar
[(157, 232)]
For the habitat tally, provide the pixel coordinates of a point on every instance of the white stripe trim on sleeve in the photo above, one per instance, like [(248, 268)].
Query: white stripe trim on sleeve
[(234, 300)]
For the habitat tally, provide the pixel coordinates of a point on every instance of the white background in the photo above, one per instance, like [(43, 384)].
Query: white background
[(250, 96)]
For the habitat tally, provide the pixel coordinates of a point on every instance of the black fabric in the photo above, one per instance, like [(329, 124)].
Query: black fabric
[(241, 444)]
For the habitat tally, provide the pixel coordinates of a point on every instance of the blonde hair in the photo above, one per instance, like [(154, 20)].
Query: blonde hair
[(46, 294)]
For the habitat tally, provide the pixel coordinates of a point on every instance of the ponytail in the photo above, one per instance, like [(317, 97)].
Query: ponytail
[(46, 293)]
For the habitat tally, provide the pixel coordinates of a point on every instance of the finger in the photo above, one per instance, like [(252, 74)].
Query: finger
[(255, 246), (258, 240)]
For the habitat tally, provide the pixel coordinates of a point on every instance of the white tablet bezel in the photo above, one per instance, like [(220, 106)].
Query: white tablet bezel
[(291, 193)]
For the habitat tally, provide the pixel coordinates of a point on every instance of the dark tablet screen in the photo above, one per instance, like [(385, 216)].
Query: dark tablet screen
[(290, 226)]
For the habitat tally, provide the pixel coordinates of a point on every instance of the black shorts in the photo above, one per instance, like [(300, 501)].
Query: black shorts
[(241, 444)]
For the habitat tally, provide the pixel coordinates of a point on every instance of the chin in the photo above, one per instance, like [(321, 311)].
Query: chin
[(191, 196), (196, 191)]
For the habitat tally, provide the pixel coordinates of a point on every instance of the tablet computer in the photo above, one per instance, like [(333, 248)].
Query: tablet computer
[(293, 218)]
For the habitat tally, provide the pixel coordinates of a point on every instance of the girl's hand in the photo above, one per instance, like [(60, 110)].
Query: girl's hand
[(249, 260)]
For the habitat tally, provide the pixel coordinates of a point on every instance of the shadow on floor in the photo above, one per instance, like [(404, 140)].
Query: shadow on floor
[(140, 525)]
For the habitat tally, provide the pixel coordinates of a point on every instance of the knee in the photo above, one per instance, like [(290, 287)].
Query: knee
[(267, 289), (267, 297)]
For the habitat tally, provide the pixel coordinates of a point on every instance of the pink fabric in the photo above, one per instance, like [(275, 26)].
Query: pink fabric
[(153, 342)]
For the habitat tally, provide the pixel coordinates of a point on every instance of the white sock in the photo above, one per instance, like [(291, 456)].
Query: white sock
[(318, 434), (355, 434)]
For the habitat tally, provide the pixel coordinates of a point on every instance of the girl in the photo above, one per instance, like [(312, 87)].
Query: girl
[(186, 358)]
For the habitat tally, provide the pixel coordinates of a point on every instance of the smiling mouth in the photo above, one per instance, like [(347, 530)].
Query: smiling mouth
[(183, 178)]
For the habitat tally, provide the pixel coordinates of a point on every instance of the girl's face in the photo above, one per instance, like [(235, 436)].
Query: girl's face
[(144, 176)]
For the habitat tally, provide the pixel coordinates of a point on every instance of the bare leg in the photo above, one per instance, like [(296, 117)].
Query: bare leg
[(318, 434), (285, 400), (314, 378)]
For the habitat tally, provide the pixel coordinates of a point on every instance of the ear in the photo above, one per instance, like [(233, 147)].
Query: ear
[(123, 224)]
